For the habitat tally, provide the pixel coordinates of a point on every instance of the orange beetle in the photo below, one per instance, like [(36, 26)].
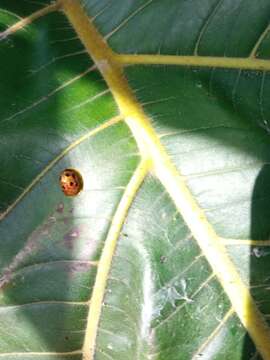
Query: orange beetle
[(71, 182)]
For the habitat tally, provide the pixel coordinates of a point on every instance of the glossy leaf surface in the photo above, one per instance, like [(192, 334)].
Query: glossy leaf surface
[(164, 254)]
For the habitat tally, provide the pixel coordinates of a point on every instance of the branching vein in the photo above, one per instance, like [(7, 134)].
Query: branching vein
[(151, 148)]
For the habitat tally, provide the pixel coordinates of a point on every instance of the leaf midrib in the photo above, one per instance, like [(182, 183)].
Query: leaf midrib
[(152, 150)]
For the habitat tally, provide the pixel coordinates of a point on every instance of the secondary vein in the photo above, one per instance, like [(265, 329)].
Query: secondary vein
[(249, 63), (106, 259), (29, 19), (151, 149)]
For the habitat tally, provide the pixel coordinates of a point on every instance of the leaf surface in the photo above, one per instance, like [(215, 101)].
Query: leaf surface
[(164, 254)]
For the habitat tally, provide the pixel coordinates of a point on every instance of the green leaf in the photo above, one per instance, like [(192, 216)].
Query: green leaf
[(164, 254)]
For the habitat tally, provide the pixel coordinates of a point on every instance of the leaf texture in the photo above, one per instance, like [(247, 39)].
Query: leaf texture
[(164, 254)]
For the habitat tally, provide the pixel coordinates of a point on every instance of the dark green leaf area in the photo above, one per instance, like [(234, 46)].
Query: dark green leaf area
[(15, 10), (205, 27)]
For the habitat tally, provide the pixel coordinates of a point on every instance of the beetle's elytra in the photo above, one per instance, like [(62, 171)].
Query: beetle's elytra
[(71, 182)]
